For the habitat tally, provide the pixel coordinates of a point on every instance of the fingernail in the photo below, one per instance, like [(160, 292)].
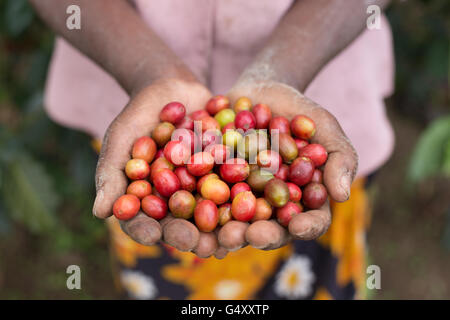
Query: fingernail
[(97, 200), (346, 184)]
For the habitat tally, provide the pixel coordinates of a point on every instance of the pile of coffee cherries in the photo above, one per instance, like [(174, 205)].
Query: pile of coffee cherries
[(222, 163)]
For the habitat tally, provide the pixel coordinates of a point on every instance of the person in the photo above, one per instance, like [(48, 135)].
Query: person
[(312, 57)]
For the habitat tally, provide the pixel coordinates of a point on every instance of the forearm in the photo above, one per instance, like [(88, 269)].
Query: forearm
[(308, 36), (115, 37)]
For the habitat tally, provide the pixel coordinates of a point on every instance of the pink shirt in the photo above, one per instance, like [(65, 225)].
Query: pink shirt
[(217, 40)]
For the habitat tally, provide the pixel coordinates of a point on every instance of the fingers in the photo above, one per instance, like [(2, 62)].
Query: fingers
[(266, 234), (342, 163), (110, 179), (220, 253), (181, 234), (311, 224), (232, 235), (207, 245), (164, 221), (142, 229)]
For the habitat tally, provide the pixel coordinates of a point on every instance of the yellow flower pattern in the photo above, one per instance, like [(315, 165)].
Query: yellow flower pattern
[(238, 276), (126, 249), (346, 236)]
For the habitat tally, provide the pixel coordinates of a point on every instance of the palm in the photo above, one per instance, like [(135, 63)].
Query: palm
[(137, 119), (339, 170)]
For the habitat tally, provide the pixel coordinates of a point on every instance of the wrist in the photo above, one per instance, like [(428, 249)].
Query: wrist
[(145, 75), (263, 73)]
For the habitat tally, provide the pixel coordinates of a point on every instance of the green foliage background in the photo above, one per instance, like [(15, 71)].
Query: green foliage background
[(46, 171)]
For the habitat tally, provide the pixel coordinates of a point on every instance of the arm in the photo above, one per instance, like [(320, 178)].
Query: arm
[(309, 35), (114, 36)]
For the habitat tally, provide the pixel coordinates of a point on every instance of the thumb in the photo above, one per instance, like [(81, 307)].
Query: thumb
[(110, 179), (342, 163)]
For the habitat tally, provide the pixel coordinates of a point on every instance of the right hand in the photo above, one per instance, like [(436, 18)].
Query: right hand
[(339, 171), (137, 119)]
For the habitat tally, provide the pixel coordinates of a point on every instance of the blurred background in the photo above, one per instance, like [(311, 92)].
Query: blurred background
[(47, 185)]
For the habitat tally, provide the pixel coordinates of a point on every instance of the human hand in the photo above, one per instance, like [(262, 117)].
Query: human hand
[(339, 170), (137, 119)]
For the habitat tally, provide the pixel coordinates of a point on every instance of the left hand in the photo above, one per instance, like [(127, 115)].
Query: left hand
[(339, 171)]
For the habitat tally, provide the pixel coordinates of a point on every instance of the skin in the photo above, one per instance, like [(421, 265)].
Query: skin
[(310, 34)]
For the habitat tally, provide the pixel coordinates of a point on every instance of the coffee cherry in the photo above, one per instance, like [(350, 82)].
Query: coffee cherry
[(211, 137), (206, 216), (200, 164), (204, 178), (228, 126), (187, 137), (300, 143), (245, 120), (187, 181), (238, 188), (243, 207), (177, 152), (139, 188), (137, 169), (301, 171), (283, 172), (209, 123), (182, 204), (234, 170), (232, 138), (276, 192), (295, 193), (315, 152), (166, 182), (219, 152), (269, 160), (159, 164), (154, 207), (263, 115), (216, 104), (303, 127), (287, 212), (225, 117), (287, 147), (199, 115), (317, 176), (224, 213), (162, 133), (314, 195), (126, 207), (173, 112), (186, 123), (281, 124), (242, 104), (215, 190), (263, 210), (144, 148), (258, 179)]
